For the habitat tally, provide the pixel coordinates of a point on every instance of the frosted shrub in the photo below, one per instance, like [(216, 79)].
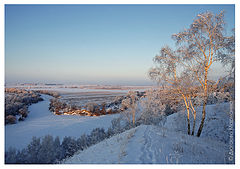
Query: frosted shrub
[(116, 125), (58, 150), (69, 145), (97, 135), (92, 107), (23, 112), (118, 99), (152, 108), (33, 150), (82, 142), (22, 157), (10, 119), (47, 151), (11, 156)]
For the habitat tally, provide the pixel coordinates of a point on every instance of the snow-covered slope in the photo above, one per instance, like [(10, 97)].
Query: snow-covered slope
[(168, 144), (150, 144), (216, 126)]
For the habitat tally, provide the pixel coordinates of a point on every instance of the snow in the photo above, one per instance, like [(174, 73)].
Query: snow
[(69, 89), (145, 144), (215, 126), (148, 144), (41, 122)]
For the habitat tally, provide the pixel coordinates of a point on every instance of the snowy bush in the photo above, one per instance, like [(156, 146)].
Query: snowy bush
[(152, 109), (58, 150), (118, 99), (97, 135), (12, 107), (33, 150), (116, 125), (22, 157), (92, 107), (11, 156), (47, 151), (10, 119), (82, 142), (23, 112), (69, 146)]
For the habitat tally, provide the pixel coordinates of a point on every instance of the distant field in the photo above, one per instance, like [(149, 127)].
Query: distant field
[(80, 95), (82, 98)]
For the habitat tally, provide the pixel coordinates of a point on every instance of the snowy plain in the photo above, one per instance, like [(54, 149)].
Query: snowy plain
[(80, 95), (41, 122), (73, 89)]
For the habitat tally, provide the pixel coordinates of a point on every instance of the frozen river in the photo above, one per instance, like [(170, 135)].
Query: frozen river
[(41, 122)]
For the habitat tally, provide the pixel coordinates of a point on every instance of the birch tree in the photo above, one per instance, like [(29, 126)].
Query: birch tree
[(205, 43), (130, 106), (180, 84)]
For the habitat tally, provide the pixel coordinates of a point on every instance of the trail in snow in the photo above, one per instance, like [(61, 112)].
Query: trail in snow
[(151, 144), (147, 153)]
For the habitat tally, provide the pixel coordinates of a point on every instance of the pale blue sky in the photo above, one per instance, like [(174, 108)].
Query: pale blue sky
[(95, 44)]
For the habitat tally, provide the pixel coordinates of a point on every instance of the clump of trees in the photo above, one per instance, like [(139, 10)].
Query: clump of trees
[(60, 107), (17, 102), (23, 113), (149, 108), (56, 105), (154, 108), (185, 70), (94, 108), (116, 106)]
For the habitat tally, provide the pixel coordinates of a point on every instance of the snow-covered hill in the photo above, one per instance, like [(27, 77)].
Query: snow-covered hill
[(150, 144), (168, 144)]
